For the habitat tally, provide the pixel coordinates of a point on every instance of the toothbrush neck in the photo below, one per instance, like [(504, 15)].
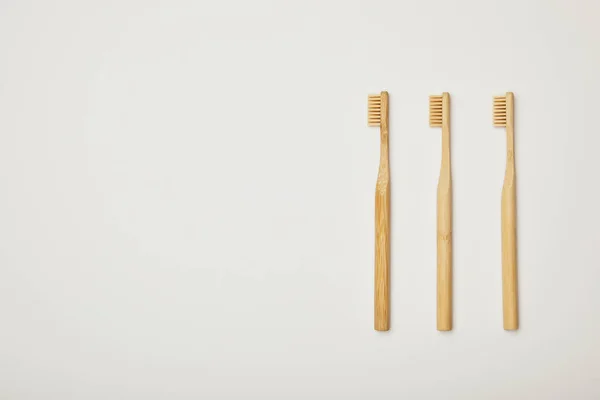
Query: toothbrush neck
[(446, 147), (384, 159), (510, 145), (384, 148)]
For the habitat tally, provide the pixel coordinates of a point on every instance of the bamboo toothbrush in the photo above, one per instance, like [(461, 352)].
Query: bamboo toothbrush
[(503, 117), (378, 116), (439, 116)]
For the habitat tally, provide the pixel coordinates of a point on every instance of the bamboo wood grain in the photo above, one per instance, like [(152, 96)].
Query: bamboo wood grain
[(444, 226), (509, 231), (378, 116), (382, 226)]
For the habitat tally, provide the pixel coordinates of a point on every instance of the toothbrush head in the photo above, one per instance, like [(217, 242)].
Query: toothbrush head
[(438, 108), (374, 111), (500, 111), (435, 111)]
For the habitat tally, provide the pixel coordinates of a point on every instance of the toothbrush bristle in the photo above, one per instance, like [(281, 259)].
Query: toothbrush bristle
[(374, 113), (500, 111), (435, 111)]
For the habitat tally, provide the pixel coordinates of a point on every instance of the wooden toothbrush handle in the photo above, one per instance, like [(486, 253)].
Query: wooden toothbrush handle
[(444, 258), (509, 257), (509, 226), (382, 257), (444, 227), (382, 226)]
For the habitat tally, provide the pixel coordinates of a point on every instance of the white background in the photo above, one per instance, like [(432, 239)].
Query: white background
[(186, 199)]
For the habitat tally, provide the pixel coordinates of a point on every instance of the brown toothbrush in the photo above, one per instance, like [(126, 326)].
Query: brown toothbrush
[(439, 116), (503, 117), (378, 116)]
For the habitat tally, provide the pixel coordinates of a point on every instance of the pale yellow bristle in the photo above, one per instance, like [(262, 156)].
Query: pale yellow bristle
[(435, 111), (500, 111), (374, 112)]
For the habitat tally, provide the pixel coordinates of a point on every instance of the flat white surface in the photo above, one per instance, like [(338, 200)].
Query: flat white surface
[(186, 199)]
